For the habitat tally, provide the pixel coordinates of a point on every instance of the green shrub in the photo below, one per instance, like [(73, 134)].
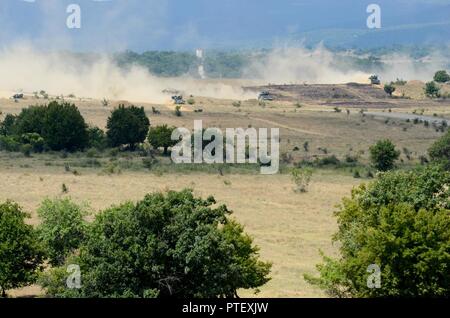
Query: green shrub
[(64, 128), (160, 137), (329, 161), (383, 155), (389, 88), (62, 228), (127, 126), (432, 90), (165, 245), (36, 142), (20, 253), (351, 159), (399, 223), (26, 150), (301, 178), (178, 111), (60, 125), (441, 76), (8, 143)]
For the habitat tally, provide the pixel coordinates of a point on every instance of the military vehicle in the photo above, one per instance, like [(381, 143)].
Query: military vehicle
[(178, 100), (374, 80), (265, 96), (17, 96)]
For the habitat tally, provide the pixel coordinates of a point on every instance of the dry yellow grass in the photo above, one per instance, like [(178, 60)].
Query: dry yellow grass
[(290, 228)]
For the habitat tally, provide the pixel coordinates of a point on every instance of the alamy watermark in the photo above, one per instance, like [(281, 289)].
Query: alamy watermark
[(73, 281), (73, 10), (374, 19), (231, 147), (374, 279)]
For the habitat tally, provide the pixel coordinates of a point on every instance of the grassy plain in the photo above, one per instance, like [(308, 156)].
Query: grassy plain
[(289, 228)]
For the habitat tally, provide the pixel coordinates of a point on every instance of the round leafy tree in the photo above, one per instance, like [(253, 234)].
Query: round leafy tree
[(432, 89), (64, 127), (127, 126), (389, 88), (400, 225), (442, 76), (383, 155), (167, 245), (20, 254), (160, 137)]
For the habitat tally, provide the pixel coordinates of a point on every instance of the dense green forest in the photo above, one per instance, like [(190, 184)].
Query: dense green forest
[(217, 64), (233, 64)]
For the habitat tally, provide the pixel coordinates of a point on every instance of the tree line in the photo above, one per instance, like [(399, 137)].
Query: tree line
[(59, 126)]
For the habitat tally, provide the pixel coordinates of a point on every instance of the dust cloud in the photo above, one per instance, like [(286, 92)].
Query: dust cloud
[(321, 66), (300, 65), (24, 69)]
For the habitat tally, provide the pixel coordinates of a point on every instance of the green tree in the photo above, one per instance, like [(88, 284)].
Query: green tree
[(62, 228), (389, 88), (400, 223), (167, 245), (383, 155), (64, 128), (127, 126), (20, 254), (432, 90), (441, 76), (440, 151), (160, 137)]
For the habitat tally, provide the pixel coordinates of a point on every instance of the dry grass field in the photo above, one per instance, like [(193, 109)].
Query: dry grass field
[(289, 228)]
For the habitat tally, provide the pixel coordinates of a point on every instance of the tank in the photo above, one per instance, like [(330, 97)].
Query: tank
[(265, 96), (374, 79), (178, 100)]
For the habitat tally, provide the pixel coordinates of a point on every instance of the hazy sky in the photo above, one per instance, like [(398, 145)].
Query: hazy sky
[(186, 24)]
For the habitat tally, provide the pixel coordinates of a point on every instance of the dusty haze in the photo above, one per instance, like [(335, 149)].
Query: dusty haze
[(25, 69)]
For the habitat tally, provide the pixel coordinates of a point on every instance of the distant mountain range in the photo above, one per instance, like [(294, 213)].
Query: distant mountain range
[(410, 34), (232, 24)]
